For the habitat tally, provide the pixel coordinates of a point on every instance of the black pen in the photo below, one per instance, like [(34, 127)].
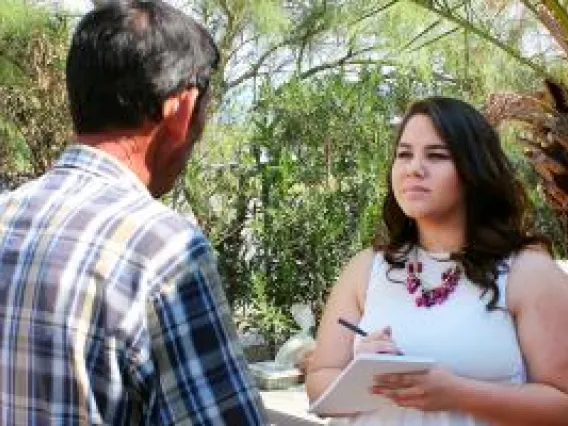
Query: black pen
[(351, 327), (363, 333)]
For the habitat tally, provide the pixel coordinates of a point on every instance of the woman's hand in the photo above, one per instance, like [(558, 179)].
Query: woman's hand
[(432, 390), (380, 341)]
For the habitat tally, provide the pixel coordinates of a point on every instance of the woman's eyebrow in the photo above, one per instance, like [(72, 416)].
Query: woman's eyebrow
[(437, 146), (433, 145)]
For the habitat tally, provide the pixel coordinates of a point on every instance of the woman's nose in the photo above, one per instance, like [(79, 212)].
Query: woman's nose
[(416, 167)]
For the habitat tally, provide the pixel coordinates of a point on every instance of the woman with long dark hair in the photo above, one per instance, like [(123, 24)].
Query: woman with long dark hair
[(461, 278)]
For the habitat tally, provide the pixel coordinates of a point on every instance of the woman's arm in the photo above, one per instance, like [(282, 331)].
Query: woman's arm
[(334, 347), (537, 294), (531, 404)]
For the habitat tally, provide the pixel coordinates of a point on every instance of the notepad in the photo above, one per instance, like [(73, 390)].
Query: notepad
[(349, 392)]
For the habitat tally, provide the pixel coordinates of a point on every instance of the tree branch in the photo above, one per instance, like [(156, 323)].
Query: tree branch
[(373, 12), (346, 60), (253, 71), (554, 27), (437, 38), (241, 45), (530, 7), (421, 34), (469, 26), (303, 37), (558, 11)]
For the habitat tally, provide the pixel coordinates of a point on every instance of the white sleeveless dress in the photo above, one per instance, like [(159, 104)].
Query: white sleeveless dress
[(459, 334)]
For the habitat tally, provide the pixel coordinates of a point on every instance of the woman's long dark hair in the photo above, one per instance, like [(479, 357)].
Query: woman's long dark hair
[(496, 202)]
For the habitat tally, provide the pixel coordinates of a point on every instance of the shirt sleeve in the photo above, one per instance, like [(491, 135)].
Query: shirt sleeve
[(201, 376)]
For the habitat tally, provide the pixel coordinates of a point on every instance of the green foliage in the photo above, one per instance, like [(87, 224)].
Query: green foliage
[(324, 156), (500, 25), (546, 220), (18, 25), (440, 49), (33, 115), (268, 15), (270, 320)]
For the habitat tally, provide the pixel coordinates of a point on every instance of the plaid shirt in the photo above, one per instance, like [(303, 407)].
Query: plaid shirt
[(111, 307)]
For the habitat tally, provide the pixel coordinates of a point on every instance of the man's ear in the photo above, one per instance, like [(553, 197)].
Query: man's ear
[(177, 111)]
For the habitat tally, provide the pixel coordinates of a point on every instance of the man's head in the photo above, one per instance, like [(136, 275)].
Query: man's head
[(136, 63)]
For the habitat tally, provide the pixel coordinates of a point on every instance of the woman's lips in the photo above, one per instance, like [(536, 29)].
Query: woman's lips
[(415, 189)]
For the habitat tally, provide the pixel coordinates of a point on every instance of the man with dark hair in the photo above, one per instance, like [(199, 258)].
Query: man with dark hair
[(111, 306)]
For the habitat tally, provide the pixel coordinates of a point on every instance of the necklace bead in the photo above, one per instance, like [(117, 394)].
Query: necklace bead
[(435, 296)]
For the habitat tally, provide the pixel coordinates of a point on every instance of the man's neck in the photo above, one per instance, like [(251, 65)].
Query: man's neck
[(130, 148)]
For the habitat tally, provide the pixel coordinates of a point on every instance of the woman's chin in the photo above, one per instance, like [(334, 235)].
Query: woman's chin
[(417, 212)]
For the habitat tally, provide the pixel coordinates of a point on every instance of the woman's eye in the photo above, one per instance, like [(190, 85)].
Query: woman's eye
[(438, 156), (403, 154)]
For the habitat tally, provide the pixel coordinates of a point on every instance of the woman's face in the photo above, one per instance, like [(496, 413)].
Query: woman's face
[(425, 181)]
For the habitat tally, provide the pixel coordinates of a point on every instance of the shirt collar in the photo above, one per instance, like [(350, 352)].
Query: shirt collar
[(97, 162)]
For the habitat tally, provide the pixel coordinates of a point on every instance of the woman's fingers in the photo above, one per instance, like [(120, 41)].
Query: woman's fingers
[(385, 334), (406, 390), (378, 346), (379, 341), (398, 382), (413, 392), (402, 389), (430, 390), (412, 397), (395, 381), (386, 348)]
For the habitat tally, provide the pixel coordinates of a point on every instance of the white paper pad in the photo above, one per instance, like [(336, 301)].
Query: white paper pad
[(350, 391)]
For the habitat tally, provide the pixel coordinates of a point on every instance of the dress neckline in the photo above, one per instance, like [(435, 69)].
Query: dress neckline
[(440, 256)]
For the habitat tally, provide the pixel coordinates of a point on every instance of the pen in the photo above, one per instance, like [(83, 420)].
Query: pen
[(351, 327), (363, 333)]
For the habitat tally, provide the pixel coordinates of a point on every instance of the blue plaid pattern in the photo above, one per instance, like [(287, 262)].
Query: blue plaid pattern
[(111, 307)]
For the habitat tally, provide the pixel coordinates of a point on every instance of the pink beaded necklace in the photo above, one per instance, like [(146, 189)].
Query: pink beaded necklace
[(434, 296)]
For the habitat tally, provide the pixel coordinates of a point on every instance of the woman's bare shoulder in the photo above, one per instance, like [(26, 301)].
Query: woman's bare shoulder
[(534, 272), (533, 260), (360, 265), (364, 258), (357, 273)]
